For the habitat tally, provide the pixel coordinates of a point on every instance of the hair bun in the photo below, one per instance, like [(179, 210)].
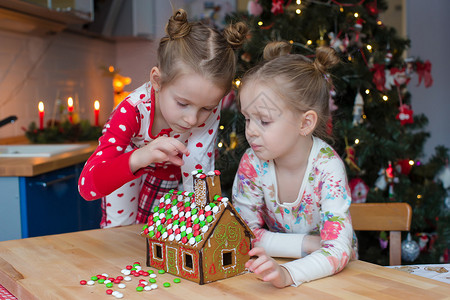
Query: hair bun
[(178, 25), (236, 34), (326, 58), (276, 49)]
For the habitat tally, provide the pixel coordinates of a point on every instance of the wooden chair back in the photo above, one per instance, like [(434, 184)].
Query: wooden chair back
[(392, 217)]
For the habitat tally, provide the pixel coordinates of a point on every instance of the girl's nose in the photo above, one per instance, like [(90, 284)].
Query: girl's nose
[(191, 118), (250, 128)]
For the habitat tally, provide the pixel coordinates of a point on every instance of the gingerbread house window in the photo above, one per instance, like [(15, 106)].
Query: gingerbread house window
[(227, 259), (188, 262), (157, 251)]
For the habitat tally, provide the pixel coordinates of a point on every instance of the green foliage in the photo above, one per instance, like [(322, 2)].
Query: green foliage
[(65, 132)]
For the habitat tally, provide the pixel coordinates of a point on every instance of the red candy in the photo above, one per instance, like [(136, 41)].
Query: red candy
[(189, 219), (177, 231), (184, 240), (119, 278), (182, 219), (189, 224), (129, 267), (196, 232), (150, 223), (170, 221), (117, 281), (146, 231), (158, 234), (168, 206), (196, 226), (83, 282), (163, 220), (170, 231), (109, 292), (161, 205), (145, 274), (208, 213), (217, 172), (201, 212), (176, 217), (111, 279)]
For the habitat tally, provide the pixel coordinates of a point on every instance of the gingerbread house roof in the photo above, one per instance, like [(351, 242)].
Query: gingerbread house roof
[(178, 219)]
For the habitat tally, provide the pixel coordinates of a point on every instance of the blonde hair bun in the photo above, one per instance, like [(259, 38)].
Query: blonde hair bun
[(178, 25), (236, 34), (276, 49), (326, 58)]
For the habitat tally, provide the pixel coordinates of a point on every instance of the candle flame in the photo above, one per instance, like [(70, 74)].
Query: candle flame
[(70, 101), (96, 105), (41, 106)]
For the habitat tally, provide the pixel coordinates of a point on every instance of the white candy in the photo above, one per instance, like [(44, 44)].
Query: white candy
[(171, 237), (155, 214), (194, 172), (121, 285), (151, 228), (168, 201), (183, 228), (175, 227), (154, 286), (158, 223), (215, 209), (193, 205), (106, 281), (192, 241), (211, 173), (138, 267), (187, 215), (118, 295), (204, 228), (147, 288), (188, 230), (207, 208), (162, 216), (180, 198), (127, 278), (178, 237), (106, 275), (153, 275), (169, 226), (126, 272), (164, 235), (115, 293), (181, 214), (225, 199), (194, 217), (123, 271), (90, 282), (202, 218), (162, 199)]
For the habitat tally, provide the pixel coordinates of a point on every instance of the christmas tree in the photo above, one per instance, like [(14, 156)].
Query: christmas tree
[(373, 124)]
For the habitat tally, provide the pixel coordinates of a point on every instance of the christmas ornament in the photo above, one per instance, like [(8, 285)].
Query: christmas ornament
[(277, 7), (423, 241), (405, 114), (246, 57), (379, 78), (350, 157), (228, 100), (410, 249), (388, 57), (381, 182), (340, 45), (424, 72), (372, 8), (403, 166), (359, 190), (358, 109), (395, 77), (356, 36), (390, 180), (383, 239), (254, 8), (444, 176)]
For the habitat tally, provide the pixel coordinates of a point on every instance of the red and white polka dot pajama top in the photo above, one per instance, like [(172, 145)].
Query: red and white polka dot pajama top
[(107, 172)]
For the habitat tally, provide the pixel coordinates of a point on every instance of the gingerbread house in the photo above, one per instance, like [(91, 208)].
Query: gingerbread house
[(198, 236)]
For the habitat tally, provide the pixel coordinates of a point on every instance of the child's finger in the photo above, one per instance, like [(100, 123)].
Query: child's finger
[(257, 251), (264, 268)]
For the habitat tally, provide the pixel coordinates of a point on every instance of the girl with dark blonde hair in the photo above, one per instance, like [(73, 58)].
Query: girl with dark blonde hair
[(291, 186), (167, 127)]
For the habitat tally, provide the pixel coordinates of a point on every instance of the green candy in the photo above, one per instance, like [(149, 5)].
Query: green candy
[(94, 278), (209, 219), (191, 194), (152, 280), (161, 271), (101, 281), (196, 221), (150, 272), (174, 202), (160, 227), (166, 284), (179, 192), (183, 233), (139, 289), (216, 197), (190, 235), (202, 223), (144, 227), (177, 280), (162, 210), (151, 233), (155, 209), (169, 216), (163, 230), (167, 196), (198, 238), (109, 284), (176, 222), (199, 171), (155, 219), (194, 211), (183, 223), (212, 205), (186, 204)]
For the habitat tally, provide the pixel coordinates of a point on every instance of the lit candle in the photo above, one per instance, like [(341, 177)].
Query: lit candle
[(70, 108), (96, 111), (41, 115)]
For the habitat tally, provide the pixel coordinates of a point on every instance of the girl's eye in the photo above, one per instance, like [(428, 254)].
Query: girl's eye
[(207, 109), (264, 123), (181, 104)]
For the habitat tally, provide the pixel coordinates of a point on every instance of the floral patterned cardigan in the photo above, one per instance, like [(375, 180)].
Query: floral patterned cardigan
[(322, 208)]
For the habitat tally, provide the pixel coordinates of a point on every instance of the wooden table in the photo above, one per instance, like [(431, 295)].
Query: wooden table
[(51, 267)]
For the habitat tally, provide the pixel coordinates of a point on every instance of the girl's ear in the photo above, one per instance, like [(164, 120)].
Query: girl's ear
[(155, 78), (308, 124)]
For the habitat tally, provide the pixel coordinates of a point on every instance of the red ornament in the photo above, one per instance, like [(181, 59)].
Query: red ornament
[(359, 190), (379, 78), (372, 8), (277, 7), (403, 166), (405, 114)]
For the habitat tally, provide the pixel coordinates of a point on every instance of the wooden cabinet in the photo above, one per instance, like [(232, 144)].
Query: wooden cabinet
[(46, 204)]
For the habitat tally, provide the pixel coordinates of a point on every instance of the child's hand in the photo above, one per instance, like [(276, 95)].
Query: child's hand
[(268, 268), (162, 149)]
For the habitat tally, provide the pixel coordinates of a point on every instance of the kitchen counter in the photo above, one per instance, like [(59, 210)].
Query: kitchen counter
[(32, 166)]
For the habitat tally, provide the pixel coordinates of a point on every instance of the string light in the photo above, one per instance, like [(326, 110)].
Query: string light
[(291, 42), (411, 162), (369, 47), (220, 145), (367, 92), (379, 23), (419, 196), (357, 141), (237, 83), (350, 58), (260, 23), (356, 15), (364, 117), (298, 11), (309, 42), (111, 69), (298, 2), (385, 98), (341, 9), (221, 127)]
